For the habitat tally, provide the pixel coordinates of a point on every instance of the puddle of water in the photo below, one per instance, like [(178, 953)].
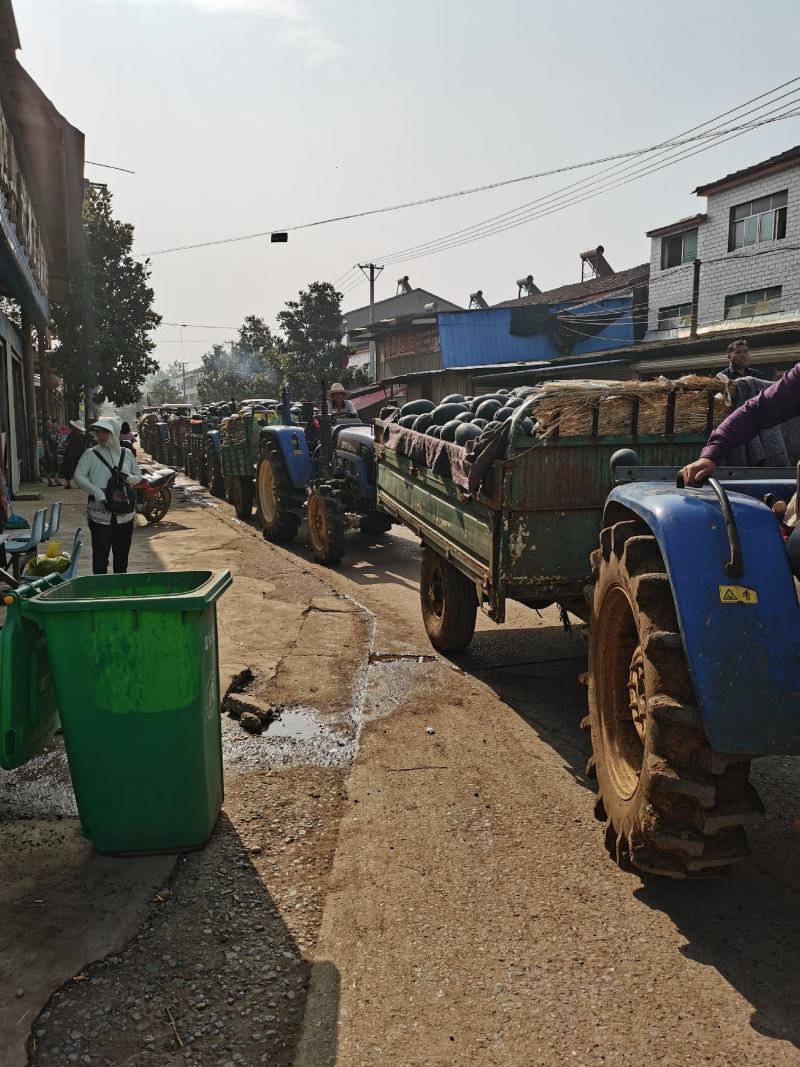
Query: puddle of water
[(296, 723)]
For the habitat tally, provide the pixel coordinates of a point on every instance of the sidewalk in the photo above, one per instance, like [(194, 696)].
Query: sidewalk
[(203, 962)]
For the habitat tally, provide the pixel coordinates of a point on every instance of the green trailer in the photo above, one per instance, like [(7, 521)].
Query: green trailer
[(238, 449), (527, 535)]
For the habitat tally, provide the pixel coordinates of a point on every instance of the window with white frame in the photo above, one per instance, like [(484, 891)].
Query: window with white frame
[(675, 317), (758, 221), (755, 302), (678, 248)]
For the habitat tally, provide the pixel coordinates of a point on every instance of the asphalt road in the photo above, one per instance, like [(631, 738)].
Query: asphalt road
[(474, 916)]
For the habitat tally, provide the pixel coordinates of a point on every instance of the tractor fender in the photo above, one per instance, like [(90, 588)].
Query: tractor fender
[(294, 448), (213, 441), (742, 644)]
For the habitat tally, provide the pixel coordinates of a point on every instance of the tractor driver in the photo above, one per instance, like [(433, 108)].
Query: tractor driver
[(777, 403), (338, 405)]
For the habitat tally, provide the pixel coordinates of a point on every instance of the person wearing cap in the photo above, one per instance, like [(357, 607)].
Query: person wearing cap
[(739, 363), (111, 533), (74, 447), (338, 404), (777, 403)]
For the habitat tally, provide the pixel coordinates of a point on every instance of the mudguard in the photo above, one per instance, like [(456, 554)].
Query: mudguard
[(213, 441), (294, 448), (742, 644)]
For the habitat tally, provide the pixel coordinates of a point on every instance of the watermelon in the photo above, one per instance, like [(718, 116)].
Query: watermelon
[(445, 412), (502, 414), (417, 407), (454, 398), (467, 431), (449, 430), (407, 421), (488, 409)]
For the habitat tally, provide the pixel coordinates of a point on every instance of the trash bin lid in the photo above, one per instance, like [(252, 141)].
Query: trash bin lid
[(151, 591)]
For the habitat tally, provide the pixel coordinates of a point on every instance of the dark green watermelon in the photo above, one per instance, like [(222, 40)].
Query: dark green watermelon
[(417, 407)]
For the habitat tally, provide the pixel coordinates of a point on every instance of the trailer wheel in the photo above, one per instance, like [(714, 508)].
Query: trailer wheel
[(216, 483), (201, 469), (449, 603), (671, 805), (239, 493), (279, 506), (325, 517)]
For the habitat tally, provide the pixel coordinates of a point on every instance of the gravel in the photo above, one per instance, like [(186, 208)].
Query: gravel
[(219, 971)]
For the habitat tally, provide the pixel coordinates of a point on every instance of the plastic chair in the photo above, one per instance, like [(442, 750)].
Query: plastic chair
[(21, 550), (54, 522), (75, 556)]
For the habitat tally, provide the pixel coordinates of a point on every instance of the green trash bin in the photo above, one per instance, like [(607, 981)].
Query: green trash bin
[(136, 674)]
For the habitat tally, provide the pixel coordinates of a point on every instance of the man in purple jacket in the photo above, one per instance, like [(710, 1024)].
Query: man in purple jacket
[(777, 403)]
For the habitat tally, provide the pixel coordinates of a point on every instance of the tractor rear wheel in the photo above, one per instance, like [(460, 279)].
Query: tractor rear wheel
[(672, 806), (279, 506), (449, 603), (325, 517)]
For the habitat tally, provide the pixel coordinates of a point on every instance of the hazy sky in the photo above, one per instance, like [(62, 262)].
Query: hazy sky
[(248, 115)]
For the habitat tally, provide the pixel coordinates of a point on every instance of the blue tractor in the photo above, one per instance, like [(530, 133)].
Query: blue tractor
[(325, 469)]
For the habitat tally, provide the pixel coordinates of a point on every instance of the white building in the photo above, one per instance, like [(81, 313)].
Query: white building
[(737, 264)]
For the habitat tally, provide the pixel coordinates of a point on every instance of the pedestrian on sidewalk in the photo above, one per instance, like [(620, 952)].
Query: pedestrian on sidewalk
[(127, 438), (107, 472), (50, 452), (74, 448)]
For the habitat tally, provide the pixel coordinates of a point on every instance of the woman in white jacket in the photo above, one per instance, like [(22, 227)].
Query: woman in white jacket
[(111, 532)]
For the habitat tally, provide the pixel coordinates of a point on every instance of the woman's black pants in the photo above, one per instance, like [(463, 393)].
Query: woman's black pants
[(106, 540)]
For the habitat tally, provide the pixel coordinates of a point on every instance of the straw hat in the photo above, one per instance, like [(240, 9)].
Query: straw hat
[(337, 387), (76, 424)]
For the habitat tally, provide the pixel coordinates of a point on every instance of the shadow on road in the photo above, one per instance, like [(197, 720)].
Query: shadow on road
[(213, 972), (747, 927), (535, 671)]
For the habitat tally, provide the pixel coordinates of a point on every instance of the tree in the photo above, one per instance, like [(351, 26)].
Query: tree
[(103, 328), (245, 371), (311, 348), (160, 388)]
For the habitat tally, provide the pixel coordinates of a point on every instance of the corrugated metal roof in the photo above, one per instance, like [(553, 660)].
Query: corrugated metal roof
[(594, 287)]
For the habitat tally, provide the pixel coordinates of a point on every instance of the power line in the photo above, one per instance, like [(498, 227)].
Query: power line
[(570, 193), (194, 326), (108, 166), (458, 193)]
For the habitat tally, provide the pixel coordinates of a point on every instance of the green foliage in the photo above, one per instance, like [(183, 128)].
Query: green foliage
[(311, 348), (247, 371), (103, 329)]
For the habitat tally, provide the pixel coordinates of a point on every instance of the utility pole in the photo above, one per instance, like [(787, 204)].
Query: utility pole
[(372, 275)]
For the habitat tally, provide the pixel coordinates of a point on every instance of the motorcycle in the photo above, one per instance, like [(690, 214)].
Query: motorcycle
[(154, 493)]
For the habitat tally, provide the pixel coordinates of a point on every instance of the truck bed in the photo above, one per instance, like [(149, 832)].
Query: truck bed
[(529, 532)]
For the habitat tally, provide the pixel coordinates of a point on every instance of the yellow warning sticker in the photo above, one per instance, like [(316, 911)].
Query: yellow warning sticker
[(737, 594)]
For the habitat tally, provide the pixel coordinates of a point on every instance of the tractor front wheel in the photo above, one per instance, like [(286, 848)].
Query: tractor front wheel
[(672, 806), (449, 603), (279, 506), (326, 524)]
